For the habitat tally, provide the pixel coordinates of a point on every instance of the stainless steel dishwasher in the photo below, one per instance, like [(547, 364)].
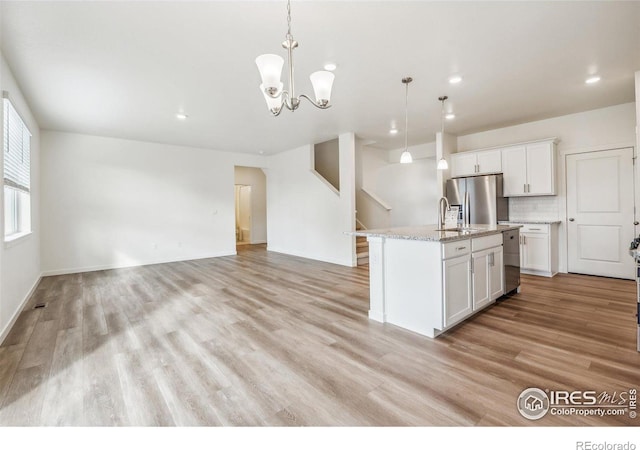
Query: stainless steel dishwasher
[(511, 252)]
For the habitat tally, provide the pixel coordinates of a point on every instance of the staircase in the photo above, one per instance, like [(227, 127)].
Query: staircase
[(362, 251), (362, 247)]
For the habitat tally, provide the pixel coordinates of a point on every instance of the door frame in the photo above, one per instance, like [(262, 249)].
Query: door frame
[(563, 231)]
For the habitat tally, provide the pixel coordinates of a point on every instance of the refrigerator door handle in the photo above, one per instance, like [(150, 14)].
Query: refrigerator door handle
[(467, 210)]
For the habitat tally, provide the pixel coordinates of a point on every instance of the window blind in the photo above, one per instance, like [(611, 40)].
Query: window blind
[(17, 149)]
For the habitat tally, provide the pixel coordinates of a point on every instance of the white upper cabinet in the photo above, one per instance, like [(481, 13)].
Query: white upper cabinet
[(489, 161), (476, 163), (463, 164), (514, 172), (529, 169)]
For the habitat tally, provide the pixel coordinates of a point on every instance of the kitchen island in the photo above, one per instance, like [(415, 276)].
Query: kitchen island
[(427, 280)]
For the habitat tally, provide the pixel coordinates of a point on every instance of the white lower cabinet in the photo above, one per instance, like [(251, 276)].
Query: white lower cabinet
[(488, 276), (496, 273), (480, 279), (471, 280), (457, 289), (539, 249)]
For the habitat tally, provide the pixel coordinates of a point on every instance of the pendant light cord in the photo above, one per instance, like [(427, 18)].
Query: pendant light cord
[(406, 118), (442, 117)]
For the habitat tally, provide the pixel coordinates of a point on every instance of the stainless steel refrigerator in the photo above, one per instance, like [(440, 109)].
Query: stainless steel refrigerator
[(479, 198)]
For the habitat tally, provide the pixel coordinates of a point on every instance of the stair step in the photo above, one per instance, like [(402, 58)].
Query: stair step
[(363, 261), (362, 254), (362, 244)]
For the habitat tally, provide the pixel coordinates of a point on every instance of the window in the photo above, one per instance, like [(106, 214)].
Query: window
[(17, 173)]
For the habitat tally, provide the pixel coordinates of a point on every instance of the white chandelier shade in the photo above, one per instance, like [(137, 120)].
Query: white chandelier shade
[(322, 82)]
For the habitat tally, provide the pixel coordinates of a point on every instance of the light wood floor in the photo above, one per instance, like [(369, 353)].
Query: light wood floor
[(268, 339)]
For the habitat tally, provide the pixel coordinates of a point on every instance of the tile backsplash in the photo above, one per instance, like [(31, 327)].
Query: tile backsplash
[(534, 208)]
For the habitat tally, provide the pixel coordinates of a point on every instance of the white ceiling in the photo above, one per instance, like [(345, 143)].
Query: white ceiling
[(123, 69)]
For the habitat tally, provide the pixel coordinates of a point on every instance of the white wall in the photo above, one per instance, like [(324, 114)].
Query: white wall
[(607, 126), (327, 161), (115, 203), (372, 212), (255, 178), (600, 129), (19, 260), (410, 190), (305, 216)]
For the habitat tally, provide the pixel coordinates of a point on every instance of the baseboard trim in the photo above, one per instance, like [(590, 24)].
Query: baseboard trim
[(315, 258), (16, 314), (376, 316), (48, 273)]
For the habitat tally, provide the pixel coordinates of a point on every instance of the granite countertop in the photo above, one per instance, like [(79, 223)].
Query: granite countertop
[(532, 222), (431, 233)]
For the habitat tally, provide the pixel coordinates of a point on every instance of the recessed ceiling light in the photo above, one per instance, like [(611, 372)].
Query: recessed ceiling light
[(450, 116), (261, 152), (181, 116), (593, 79), (455, 79), (330, 67), (393, 131)]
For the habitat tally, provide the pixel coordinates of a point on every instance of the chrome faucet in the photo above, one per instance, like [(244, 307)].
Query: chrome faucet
[(441, 211)]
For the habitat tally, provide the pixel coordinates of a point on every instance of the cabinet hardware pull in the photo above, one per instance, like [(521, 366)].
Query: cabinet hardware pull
[(471, 265), (535, 229), (524, 187), (524, 240), (460, 248), (571, 219), (636, 223)]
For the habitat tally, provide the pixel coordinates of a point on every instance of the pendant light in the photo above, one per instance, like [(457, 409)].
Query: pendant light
[(442, 164), (406, 157)]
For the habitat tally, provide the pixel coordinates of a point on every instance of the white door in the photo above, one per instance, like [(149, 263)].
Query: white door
[(514, 168), (600, 213)]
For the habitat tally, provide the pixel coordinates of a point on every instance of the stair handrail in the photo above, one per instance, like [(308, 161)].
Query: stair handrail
[(375, 198)]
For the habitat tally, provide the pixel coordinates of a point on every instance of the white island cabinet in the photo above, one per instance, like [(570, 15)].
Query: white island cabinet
[(427, 281)]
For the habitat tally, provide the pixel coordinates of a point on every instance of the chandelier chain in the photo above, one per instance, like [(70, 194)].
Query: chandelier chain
[(289, 18)]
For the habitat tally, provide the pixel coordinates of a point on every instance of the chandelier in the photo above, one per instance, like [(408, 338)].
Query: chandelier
[(270, 67)]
